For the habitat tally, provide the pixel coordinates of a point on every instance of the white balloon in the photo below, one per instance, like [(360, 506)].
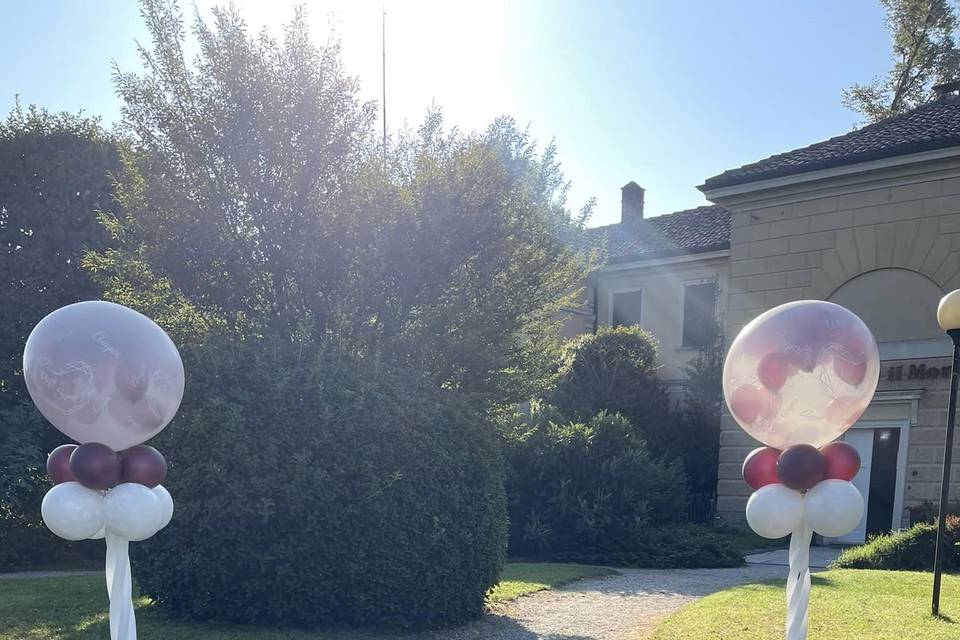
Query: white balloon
[(99, 535), (132, 511), (774, 511), (833, 508), (72, 511), (166, 504)]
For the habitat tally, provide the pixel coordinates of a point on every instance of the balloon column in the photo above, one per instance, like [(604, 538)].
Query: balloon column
[(109, 378), (795, 379)]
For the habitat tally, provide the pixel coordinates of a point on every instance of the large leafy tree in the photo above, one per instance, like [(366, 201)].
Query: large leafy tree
[(924, 53), (319, 283), (257, 197), (54, 177)]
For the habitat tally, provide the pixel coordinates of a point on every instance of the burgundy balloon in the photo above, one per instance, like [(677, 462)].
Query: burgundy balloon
[(144, 465), (801, 466), (760, 467), (750, 403), (852, 369), (773, 370), (842, 461), (58, 464), (96, 466)]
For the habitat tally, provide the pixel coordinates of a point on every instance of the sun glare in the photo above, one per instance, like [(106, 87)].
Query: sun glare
[(448, 54)]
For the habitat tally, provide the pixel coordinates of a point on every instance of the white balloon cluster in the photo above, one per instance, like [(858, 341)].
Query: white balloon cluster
[(831, 508), (129, 511)]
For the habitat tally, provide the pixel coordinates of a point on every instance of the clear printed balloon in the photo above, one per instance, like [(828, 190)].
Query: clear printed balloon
[(801, 373), (101, 372)]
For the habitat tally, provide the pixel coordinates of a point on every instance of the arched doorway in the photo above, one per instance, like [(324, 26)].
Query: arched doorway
[(899, 306)]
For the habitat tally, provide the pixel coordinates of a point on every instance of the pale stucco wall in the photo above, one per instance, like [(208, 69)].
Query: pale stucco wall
[(663, 300), (578, 317), (805, 241)]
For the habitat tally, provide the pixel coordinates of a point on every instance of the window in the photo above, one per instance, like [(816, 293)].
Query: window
[(626, 308), (699, 313)]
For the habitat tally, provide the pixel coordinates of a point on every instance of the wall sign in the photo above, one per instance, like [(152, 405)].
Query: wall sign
[(916, 372)]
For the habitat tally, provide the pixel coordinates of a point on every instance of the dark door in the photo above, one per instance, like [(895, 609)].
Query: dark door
[(883, 480)]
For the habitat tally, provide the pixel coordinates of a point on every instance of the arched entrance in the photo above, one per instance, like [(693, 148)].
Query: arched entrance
[(899, 305)]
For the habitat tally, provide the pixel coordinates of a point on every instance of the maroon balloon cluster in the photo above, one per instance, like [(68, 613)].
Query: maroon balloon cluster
[(801, 466), (97, 466)]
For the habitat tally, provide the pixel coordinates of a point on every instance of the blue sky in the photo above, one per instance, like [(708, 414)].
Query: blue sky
[(664, 93)]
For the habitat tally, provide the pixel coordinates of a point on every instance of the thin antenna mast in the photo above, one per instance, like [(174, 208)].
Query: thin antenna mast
[(383, 33)]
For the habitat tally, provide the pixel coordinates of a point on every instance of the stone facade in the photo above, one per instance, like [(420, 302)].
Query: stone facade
[(886, 241)]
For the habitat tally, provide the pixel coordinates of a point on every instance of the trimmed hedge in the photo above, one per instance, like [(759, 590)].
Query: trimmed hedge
[(314, 491), (25, 543), (585, 486), (31, 547), (681, 546), (908, 550)]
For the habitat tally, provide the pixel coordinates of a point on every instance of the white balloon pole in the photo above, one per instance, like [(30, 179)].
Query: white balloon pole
[(105, 355), (798, 583), (123, 625)]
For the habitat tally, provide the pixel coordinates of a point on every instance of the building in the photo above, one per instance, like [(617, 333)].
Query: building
[(667, 274), (869, 220)]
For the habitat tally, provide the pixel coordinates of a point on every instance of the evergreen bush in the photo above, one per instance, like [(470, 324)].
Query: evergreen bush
[(615, 370), (908, 550), (313, 489), (578, 486)]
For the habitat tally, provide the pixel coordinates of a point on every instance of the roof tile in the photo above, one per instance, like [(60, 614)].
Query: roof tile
[(697, 230), (934, 125)]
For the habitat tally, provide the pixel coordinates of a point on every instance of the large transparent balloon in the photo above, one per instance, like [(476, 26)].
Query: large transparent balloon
[(801, 373), (101, 372)]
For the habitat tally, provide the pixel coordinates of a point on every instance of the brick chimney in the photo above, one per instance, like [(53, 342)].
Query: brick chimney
[(631, 202)]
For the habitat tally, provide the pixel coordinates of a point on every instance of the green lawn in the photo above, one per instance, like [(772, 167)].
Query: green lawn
[(75, 609), (521, 578), (844, 605)]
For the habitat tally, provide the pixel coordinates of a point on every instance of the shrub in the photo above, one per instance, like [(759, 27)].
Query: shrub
[(697, 445), (29, 545), (53, 178), (928, 511), (908, 550), (25, 543), (575, 486), (310, 490), (615, 370), (683, 546), (696, 423)]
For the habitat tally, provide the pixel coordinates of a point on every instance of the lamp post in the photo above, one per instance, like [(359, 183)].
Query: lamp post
[(948, 315)]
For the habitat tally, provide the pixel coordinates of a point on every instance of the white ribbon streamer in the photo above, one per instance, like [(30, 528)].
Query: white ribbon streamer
[(798, 583), (123, 625)]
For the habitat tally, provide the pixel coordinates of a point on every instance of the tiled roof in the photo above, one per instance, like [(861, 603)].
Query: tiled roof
[(934, 125), (692, 231)]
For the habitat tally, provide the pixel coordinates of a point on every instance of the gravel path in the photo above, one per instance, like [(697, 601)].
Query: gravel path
[(622, 607), (619, 607)]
